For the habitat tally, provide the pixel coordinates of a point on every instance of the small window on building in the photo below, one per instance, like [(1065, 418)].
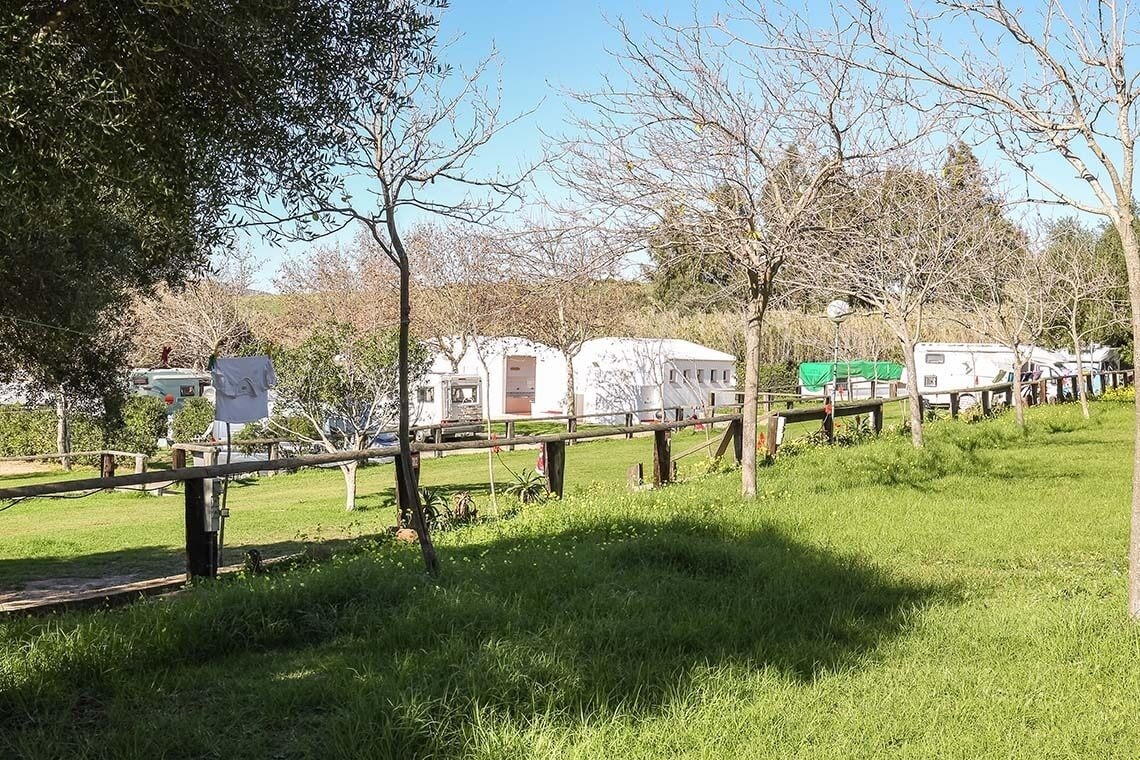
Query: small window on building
[(673, 376), (700, 375), (186, 391), (930, 381), (936, 358), (426, 394), (724, 376), (687, 374)]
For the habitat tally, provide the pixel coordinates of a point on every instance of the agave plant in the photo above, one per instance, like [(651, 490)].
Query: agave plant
[(528, 487)]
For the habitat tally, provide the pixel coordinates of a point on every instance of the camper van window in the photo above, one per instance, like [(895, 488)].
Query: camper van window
[(186, 391), (464, 395), (673, 376), (700, 375), (936, 358), (930, 381), (426, 394), (138, 379)]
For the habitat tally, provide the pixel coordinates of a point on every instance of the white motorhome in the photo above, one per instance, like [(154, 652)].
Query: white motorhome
[(943, 367), (172, 384)]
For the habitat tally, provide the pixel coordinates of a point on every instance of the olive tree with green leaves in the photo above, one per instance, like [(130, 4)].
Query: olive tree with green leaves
[(343, 386), (134, 131)]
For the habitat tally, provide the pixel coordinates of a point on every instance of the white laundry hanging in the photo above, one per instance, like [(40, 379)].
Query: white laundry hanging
[(242, 386)]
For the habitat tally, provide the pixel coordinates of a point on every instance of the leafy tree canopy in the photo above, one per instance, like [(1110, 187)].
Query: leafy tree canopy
[(133, 133)]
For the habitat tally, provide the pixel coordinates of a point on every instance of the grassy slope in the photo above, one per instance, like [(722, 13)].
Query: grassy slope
[(966, 601), (124, 533)]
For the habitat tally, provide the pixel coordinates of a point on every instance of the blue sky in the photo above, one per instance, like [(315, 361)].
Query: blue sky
[(545, 48)]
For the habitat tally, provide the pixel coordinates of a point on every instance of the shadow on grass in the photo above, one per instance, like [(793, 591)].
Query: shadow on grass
[(368, 658)]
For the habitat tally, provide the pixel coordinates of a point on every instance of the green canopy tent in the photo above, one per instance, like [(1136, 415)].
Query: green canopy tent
[(816, 376)]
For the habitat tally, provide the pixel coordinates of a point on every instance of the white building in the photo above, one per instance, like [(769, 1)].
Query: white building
[(517, 377), (655, 375)]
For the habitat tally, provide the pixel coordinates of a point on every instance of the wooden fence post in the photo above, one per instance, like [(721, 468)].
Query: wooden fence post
[(767, 402), (737, 430), (829, 419), (1009, 396), (140, 463), (953, 406), (1033, 398), (877, 419), (571, 426), (635, 476), (201, 545), (662, 458), (437, 437), (1073, 382), (106, 465), (1089, 383), (510, 433), (177, 458), (987, 403), (770, 443), (555, 456), (404, 490), (1043, 391), (893, 390), (629, 423), (874, 384), (678, 414)]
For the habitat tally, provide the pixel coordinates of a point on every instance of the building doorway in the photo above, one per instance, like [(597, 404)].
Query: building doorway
[(519, 385)]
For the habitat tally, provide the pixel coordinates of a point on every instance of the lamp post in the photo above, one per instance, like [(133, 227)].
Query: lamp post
[(837, 311)]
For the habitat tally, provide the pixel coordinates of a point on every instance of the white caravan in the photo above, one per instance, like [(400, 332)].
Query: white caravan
[(943, 367)]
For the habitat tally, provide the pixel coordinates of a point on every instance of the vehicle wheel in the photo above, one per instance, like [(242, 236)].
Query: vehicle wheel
[(966, 401)]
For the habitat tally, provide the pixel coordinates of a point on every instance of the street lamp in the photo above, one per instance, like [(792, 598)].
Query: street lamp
[(837, 311)]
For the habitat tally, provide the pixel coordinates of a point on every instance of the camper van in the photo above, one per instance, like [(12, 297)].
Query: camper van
[(943, 367), (444, 398), (172, 384)]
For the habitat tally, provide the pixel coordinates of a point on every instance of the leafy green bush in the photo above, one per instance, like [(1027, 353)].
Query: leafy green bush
[(144, 422), (192, 419), (25, 431)]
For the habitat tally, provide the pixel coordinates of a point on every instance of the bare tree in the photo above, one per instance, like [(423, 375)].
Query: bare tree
[(563, 277), (1054, 83), (200, 320), (723, 141), (904, 237), (352, 284), (1084, 291), (409, 148)]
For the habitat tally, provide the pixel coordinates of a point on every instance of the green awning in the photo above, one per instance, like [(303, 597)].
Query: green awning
[(815, 375)]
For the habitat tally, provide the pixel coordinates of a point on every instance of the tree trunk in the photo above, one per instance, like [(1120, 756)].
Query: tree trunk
[(349, 471), (1131, 247), (571, 401), (431, 562), (63, 429), (1018, 401), (755, 320), (1082, 391), (913, 391)]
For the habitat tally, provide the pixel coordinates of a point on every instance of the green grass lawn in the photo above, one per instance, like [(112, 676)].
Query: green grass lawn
[(134, 534), (963, 601)]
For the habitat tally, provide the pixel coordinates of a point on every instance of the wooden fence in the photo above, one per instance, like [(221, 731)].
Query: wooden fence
[(201, 509)]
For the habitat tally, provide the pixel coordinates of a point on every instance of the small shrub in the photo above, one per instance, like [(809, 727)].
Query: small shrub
[(144, 421), (854, 431), (711, 465), (528, 487), (192, 420), (1125, 393), (803, 443)]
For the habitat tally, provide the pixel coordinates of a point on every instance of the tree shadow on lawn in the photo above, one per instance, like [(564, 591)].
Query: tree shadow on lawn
[(619, 618)]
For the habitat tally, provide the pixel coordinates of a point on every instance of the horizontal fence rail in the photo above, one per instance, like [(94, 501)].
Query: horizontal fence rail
[(202, 548)]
